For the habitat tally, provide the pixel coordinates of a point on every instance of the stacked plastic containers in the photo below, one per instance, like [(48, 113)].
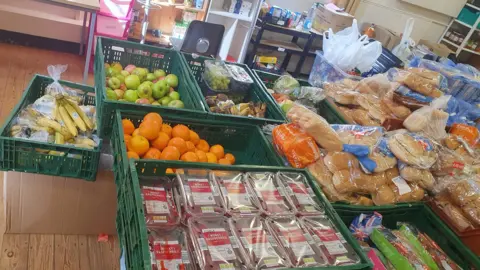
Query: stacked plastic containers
[(250, 221)]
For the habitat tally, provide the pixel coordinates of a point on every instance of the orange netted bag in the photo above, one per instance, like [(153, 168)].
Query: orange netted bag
[(298, 147)]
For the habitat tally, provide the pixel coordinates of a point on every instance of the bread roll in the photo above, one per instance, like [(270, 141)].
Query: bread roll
[(337, 161), (345, 181), (383, 196), (472, 211), (412, 151), (420, 85), (451, 142), (383, 162), (397, 110), (423, 178), (362, 118)]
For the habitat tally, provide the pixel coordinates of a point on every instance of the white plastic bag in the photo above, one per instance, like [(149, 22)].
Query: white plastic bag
[(55, 72)]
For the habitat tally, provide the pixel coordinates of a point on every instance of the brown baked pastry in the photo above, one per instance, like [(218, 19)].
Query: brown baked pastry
[(411, 151), (377, 85), (383, 196), (345, 181), (432, 76), (369, 137), (365, 201), (417, 194), (346, 97), (337, 161), (463, 192), (423, 178), (391, 173), (372, 104), (428, 121), (348, 113)]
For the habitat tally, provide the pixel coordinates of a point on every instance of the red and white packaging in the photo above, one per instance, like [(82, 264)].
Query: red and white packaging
[(201, 195), (261, 248), (330, 241), (159, 206), (237, 196), (270, 193), (296, 241), (300, 194), (170, 250), (215, 245)]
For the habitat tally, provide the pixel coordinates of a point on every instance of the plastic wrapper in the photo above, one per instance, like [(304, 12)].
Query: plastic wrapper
[(461, 112), (297, 242), (237, 196), (438, 255), (428, 121), (423, 178), (241, 80), (296, 145), (200, 194), (215, 245), (338, 161), (391, 247), (372, 104), (316, 126), (354, 181), (55, 88), (380, 158), (452, 163), (468, 133), (159, 206), (330, 241), (455, 214), (413, 149), (409, 232), (170, 250), (358, 135), (300, 194), (217, 76), (404, 247), (261, 248), (271, 193), (323, 72), (406, 192), (308, 96), (417, 83), (377, 85), (392, 108), (433, 77), (363, 225), (416, 98), (466, 194), (286, 85)]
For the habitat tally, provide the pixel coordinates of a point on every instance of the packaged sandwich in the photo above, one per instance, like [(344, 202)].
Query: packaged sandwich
[(404, 247), (438, 255), (410, 232), (170, 250), (300, 194), (391, 247), (270, 192)]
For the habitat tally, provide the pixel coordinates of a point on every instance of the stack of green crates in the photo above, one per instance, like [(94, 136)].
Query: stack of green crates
[(324, 108), (31, 156)]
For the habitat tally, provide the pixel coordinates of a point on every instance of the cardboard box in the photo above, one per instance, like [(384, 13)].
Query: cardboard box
[(329, 16), (438, 49), (387, 37), (57, 205)]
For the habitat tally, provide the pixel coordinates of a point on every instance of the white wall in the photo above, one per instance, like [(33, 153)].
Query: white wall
[(293, 5)]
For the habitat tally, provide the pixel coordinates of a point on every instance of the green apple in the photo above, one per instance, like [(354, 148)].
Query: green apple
[(160, 89), (111, 95), (287, 105), (150, 77), (142, 101), (110, 72), (174, 95), (149, 83), (144, 91), (119, 93), (159, 73), (141, 73), (156, 103), (130, 95), (108, 88), (124, 73), (176, 104), (117, 66), (132, 82), (114, 83), (165, 100), (120, 77), (172, 80), (151, 100)]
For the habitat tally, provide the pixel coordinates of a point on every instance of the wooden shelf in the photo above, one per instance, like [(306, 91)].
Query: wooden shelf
[(470, 51), (281, 45), (449, 42), (231, 15)]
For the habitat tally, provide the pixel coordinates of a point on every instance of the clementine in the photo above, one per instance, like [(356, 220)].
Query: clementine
[(139, 145), (179, 143), (211, 158), (170, 153), (203, 145), (167, 129), (128, 126), (181, 131), (230, 157), (169, 171), (189, 157), (153, 117), (218, 151), (194, 138), (149, 129), (134, 155), (190, 146), (128, 139), (202, 157), (152, 153), (224, 161), (161, 141), (136, 132)]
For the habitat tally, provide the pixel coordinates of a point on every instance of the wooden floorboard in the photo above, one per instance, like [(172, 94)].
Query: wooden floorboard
[(15, 251)]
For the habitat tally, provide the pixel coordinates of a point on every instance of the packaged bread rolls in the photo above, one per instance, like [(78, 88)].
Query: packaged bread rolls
[(315, 126), (413, 149), (453, 212), (377, 85), (428, 121), (361, 117), (337, 161), (392, 108), (423, 178), (384, 195), (433, 77), (359, 135), (421, 85)]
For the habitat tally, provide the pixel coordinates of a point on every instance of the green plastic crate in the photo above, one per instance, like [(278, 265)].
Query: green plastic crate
[(246, 142), (131, 220), (257, 94), (325, 108), (23, 155), (125, 52), (424, 219)]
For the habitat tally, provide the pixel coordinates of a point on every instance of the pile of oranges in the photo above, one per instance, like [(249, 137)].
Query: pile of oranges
[(154, 139)]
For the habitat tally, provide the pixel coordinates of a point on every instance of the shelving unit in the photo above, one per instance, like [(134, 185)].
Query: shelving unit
[(459, 48)]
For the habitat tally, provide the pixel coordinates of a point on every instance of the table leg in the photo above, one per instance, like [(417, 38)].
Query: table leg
[(89, 47), (82, 36)]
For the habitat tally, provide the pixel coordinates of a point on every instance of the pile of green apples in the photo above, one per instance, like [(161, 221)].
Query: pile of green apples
[(139, 85)]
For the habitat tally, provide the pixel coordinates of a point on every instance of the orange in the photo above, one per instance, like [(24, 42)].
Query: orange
[(153, 117), (136, 132), (179, 143), (133, 155), (224, 161), (128, 126), (202, 157), (211, 158), (152, 153), (170, 153), (189, 157), (167, 129), (169, 170), (161, 141), (230, 157), (128, 139), (190, 146), (194, 138), (139, 145), (149, 129), (181, 131), (203, 145), (218, 151)]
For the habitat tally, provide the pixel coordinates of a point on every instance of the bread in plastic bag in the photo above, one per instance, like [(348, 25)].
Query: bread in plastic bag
[(361, 117), (453, 212), (316, 126), (452, 163), (298, 147), (413, 149), (355, 181), (465, 191), (337, 161), (358, 135), (435, 78), (423, 178), (372, 104), (418, 83), (377, 85), (468, 133), (379, 159), (392, 108), (428, 121)]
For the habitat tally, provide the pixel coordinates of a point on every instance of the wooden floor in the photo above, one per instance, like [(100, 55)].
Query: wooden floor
[(33, 251)]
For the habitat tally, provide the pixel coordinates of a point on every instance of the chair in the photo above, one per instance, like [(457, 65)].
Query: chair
[(203, 38)]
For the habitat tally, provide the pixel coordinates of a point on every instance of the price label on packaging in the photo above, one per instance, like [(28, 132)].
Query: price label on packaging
[(403, 187)]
